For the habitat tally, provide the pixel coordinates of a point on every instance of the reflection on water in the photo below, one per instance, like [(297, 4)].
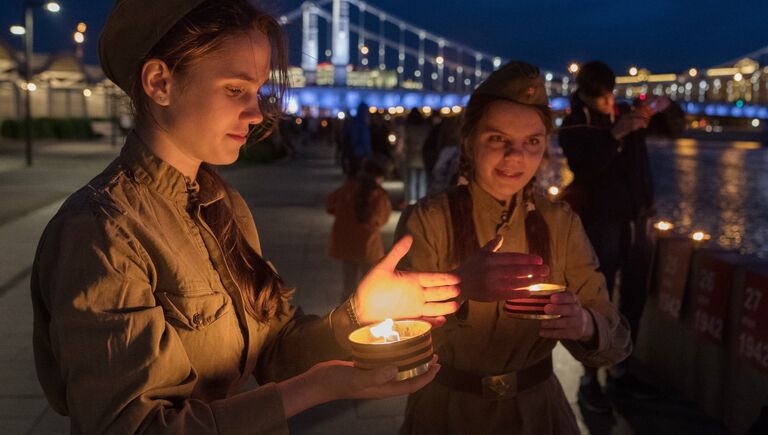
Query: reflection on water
[(718, 187)]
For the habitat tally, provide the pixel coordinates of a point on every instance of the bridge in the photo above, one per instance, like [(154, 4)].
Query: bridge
[(352, 51)]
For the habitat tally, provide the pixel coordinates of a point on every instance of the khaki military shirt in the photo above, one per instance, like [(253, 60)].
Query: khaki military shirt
[(490, 342), (138, 324)]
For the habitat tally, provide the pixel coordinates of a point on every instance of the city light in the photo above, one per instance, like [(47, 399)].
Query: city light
[(87, 92), (439, 60), (417, 73), (693, 72), (341, 115), (700, 236), (392, 138), (299, 121), (53, 7), (755, 123), (31, 87), (445, 111), (553, 190), (372, 109), (456, 109), (496, 62), (663, 225), (633, 71), (18, 30), (427, 110), (364, 49), (573, 68), (79, 37), (548, 77), (81, 27), (738, 77)]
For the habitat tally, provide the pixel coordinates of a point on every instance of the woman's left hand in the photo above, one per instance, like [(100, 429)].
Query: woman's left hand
[(575, 322), (388, 293)]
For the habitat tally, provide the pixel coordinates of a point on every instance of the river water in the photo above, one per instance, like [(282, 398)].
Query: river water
[(717, 187)]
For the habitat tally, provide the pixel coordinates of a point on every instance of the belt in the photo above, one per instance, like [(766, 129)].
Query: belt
[(496, 387)]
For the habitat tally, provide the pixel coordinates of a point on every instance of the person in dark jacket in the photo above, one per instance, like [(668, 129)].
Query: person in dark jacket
[(613, 194)]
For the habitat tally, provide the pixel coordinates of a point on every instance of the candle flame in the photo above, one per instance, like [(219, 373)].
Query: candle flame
[(700, 235), (663, 226), (384, 330)]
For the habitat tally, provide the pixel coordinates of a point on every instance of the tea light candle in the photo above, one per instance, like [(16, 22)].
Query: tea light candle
[(406, 344), (532, 306)]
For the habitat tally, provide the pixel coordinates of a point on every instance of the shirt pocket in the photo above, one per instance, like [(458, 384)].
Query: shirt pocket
[(194, 311)]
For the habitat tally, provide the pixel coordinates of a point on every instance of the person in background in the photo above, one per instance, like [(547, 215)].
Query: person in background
[(445, 171), (360, 207), (153, 303), (500, 235), (612, 191), (416, 131), (356, 144)]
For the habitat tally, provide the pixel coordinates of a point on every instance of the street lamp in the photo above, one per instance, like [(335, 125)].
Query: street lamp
[(29, 6)]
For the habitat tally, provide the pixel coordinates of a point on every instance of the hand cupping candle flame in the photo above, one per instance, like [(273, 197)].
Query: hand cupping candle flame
[(389, 293)]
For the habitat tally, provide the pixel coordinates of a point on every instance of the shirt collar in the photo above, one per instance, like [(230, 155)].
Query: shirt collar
[(163, 178)]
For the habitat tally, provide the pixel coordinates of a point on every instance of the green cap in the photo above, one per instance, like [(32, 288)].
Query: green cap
[(132, 29), (516, 81)]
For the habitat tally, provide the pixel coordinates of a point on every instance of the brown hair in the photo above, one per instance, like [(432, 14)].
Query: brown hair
[(536, 229), (200, 33)]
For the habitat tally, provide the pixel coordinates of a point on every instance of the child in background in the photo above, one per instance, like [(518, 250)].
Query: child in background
[(361, 207)]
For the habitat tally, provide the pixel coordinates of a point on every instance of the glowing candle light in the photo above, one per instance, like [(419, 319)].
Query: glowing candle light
[(663, 225)]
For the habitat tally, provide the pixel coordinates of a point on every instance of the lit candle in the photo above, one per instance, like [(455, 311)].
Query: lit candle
[(532, 306), (700, 236), (663, 225), (406, 344)]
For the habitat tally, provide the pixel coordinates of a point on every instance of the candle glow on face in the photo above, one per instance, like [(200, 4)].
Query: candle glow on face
[(384, 330)]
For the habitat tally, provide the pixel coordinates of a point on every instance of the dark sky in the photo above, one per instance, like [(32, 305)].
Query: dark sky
[(661, 35)]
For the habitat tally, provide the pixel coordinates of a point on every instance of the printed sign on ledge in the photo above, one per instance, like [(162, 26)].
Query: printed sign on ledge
[(752, 336), (714, 280), (672, 260)]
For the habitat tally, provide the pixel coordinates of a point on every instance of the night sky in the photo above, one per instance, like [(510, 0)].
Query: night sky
[(661, 35)]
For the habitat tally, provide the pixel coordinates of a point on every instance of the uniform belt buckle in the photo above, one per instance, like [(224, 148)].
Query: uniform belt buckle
[(498, 387)]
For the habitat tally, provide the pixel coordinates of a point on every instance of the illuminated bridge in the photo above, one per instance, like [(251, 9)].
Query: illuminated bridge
[(352, 51)]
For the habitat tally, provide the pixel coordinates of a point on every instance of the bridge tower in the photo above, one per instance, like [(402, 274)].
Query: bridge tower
[(340, 45), (309, 41)]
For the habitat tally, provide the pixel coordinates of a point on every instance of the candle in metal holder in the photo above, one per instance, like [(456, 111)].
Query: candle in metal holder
[(532, 306), (406, 344)]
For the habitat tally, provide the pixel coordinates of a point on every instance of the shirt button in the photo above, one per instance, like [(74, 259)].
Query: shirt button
[(197, 319)]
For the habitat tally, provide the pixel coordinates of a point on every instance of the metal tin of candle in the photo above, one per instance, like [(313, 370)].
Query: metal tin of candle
[(411, 354), (532, 307)]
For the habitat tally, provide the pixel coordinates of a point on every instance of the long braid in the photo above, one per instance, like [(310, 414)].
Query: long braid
[(536, 229)]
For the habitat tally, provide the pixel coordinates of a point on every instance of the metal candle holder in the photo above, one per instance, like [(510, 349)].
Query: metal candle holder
[(410, 348), (532, 306)]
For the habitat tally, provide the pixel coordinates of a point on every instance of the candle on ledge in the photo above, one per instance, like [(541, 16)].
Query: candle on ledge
[(532, 306), (406, 344)]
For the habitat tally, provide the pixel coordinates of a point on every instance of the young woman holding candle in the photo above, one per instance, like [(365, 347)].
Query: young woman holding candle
[(153, 305), (496, 374)]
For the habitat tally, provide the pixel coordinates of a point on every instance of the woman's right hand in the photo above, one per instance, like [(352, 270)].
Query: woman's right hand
[(335, 380), (490, 276)]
